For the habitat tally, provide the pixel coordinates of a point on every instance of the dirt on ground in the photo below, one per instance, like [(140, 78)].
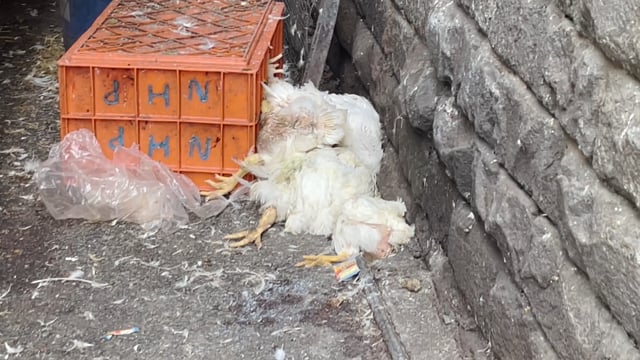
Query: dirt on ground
[(188, 293)]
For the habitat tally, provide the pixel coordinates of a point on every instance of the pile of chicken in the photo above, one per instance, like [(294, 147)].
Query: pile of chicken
[(318, 155)]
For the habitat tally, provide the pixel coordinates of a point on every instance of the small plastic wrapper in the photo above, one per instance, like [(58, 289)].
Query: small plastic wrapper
[(111, 334), (79, 181), (346, 270)]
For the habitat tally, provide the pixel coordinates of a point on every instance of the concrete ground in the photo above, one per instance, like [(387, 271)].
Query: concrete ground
[(188, 293)]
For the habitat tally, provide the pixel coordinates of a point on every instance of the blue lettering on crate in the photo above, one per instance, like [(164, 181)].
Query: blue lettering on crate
[(153, 145), (195, 84), (164, 94), (118, 140), (113, 97), (195, 142)]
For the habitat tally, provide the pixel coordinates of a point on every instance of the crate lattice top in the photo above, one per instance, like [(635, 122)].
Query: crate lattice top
[(219, 28)]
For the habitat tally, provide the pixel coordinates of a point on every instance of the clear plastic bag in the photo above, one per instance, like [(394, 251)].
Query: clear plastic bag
[(79, 181)]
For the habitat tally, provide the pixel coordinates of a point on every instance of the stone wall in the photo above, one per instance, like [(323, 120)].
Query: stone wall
[(517, 125)]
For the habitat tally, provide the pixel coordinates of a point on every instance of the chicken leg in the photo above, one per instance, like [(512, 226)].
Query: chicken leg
[(323, 260), (254, 236), (273, 67), (225, 184)]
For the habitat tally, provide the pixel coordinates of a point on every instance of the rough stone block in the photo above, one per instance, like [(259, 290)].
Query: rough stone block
[(416, 12), (502, 311), (605, 230), (409, 59), (430, 185), (613, 25), (463, 55), (574, 320), (373, 15), (528, 141), (454, 139), (348, 18), (597, 104), (418, 89), (453, 308)]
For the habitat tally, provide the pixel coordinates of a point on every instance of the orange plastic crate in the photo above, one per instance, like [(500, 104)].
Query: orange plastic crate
[(180, 78)]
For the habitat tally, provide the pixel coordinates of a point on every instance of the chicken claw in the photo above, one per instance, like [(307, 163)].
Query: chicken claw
[(226, 184), (223, 185), (273, 67), (254, 236), (322, 260)]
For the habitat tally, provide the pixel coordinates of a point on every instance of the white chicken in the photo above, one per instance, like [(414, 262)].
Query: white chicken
[(317, 161)]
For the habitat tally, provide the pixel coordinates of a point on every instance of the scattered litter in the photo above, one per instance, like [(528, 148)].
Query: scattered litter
[(76, 274), (47, 81), (154, 264), (347, 270), (12, 150), (213, 277), (271, 17), (13, 350), (111, 334), (119, 302), (335, 302), (185, 21), (5, 293), (71, 258), (122, 259), (46, 324), (285, 330), (280, 354), (208, 45), (78, 344), (182, 283), (147, 234), (184, 333), (25, 228), (95, 258), (412, 285), (79, 181), (88, 315), (64, 279), (254, 277), (139, 15), (136, 348)]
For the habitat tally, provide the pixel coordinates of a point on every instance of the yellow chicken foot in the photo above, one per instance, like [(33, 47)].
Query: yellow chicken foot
[(254, 236), (273, 66), (322, 260), (225, 184)]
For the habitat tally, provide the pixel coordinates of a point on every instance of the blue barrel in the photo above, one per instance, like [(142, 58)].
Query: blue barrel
[(78, 16)]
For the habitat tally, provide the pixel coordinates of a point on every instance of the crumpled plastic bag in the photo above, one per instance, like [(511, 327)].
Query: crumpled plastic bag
[(79, 181)]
